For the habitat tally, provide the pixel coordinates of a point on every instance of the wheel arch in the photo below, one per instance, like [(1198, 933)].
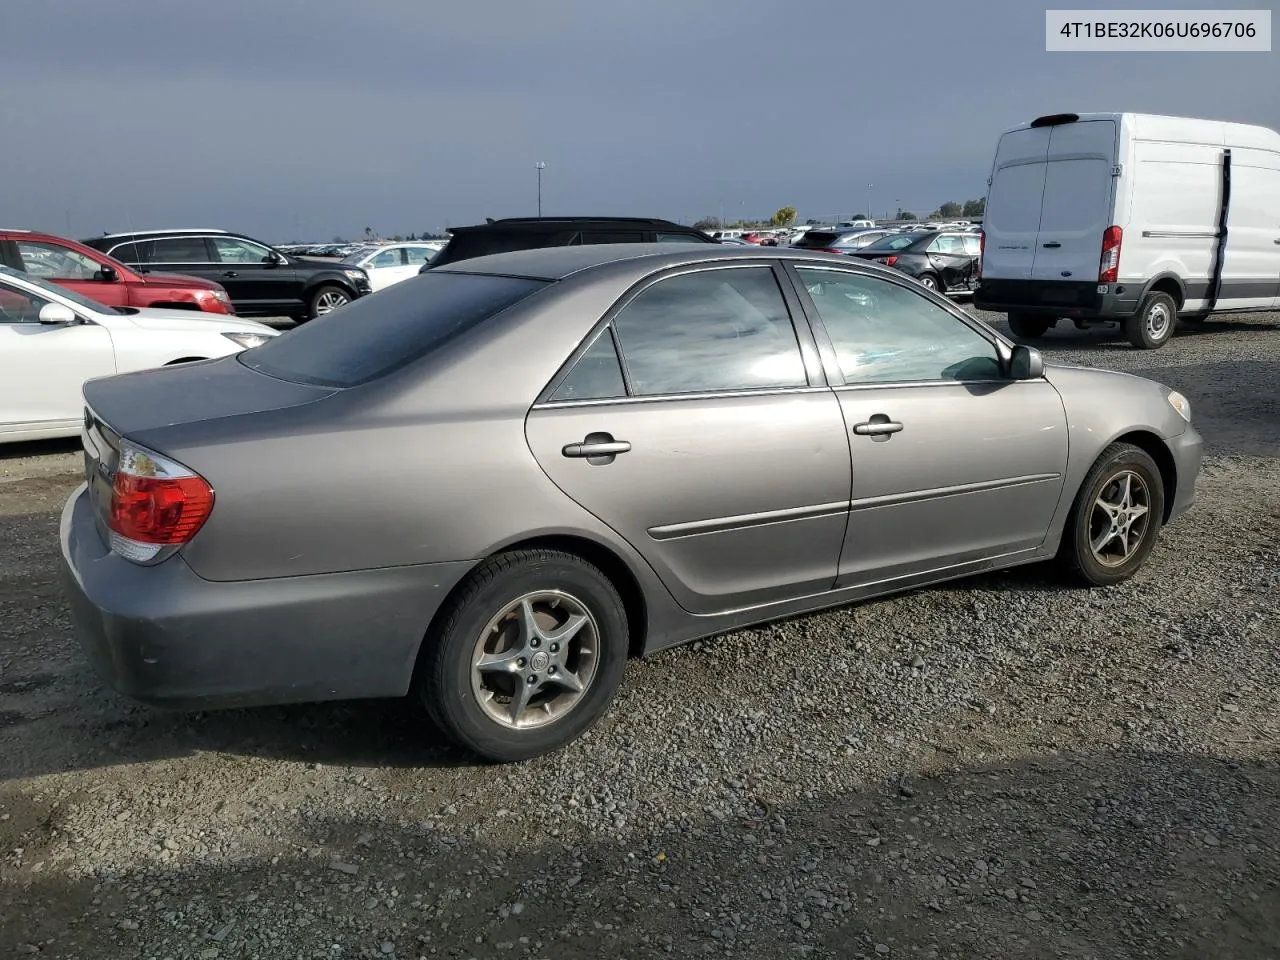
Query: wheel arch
[(1167, 282), (1155, 447), (598, 554), (326, 280)]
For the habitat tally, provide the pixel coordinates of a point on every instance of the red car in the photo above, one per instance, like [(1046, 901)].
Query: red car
[(98, 277)]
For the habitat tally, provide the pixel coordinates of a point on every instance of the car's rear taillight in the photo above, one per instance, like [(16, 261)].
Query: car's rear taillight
[(157, 505), (982, 249), (831, 250), (889, 260), (1109, 266)]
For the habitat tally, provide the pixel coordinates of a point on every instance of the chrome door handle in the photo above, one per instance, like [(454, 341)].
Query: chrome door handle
[(601, 448), (231, 273), (877, 428)]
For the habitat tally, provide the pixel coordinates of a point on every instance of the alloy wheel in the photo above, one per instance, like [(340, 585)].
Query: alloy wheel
[(330, 301), (1119, 519), (535, 660)]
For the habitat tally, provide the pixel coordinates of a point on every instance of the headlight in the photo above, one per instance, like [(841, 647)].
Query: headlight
[(249, 340), (1181, 404), (356, 274)]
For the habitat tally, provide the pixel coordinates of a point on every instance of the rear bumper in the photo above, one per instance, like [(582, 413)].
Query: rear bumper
[(1073, 299), (163, 635), (1188, 454)]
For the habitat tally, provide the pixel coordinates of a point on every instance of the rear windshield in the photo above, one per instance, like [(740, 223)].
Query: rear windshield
[(466, 244), (817, 238), (376, 335), (895, 241)]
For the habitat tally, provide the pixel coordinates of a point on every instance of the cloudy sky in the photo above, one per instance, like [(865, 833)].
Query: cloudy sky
[(305, 119)]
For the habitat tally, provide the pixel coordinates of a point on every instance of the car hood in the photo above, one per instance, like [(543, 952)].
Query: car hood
[(302, 265), (156, 318), (179, 280)]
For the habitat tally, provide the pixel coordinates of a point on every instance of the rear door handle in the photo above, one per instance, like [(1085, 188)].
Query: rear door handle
[(1053, 244), (231, 273), (877, 428)]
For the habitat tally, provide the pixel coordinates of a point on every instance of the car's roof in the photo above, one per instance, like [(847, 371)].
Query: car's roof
[(557, 263)]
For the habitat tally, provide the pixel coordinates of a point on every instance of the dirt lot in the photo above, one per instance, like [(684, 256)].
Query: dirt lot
[(1005, 767)]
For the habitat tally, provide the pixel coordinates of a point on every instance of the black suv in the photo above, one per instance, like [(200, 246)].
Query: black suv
[(261, 281), (531, 233)]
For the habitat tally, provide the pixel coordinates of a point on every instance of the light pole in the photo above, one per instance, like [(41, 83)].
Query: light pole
[(540, 166), (869, 214)]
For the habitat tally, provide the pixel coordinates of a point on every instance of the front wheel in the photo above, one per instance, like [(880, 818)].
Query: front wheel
[(528, 655), (1116, 517), (1027, 326), (1153, 325), (326, 300)]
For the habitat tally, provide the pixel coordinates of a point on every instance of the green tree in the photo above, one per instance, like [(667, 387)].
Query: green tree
[(784, 217), (708, 224), (975, 208), (950, 210), (907, 215)]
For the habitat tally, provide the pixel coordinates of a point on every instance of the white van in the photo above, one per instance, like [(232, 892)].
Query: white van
[(1132, 219)]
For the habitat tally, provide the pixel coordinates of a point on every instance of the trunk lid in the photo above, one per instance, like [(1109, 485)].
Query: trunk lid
[(1011, 218)]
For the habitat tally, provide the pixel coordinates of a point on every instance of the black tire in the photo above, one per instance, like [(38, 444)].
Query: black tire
[(444, 677), (1154, 323), (1027, 326), (1088, 521), (930, 282), (323, 299)]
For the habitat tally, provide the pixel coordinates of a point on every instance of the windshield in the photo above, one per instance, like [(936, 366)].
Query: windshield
[(896, 241), (69, 295), (374, 336)]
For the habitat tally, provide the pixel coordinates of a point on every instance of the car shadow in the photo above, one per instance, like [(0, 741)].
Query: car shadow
[(1065, 336), (1117, 853), (39, 448)]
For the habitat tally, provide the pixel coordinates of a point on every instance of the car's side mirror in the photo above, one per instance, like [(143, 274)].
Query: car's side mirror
[(274, 259), (55, 314), (1025, 363), (107, 274)]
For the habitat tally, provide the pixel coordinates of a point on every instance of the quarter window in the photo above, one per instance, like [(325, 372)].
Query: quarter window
[(597, 375), (387, 258), (233, 250), (419, 255), (885, 333), (946, 244), (710, 331)]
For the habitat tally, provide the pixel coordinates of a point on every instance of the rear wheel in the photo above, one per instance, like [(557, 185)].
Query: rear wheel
[(528, 655), (930, 282), (1028, 326), (1116, 517), (1153, 325)]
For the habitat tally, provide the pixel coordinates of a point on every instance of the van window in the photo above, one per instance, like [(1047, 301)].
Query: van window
[(1013, 204), (1077, 195)]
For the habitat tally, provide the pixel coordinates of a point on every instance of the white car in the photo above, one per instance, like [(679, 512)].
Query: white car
[(52, 340), (392, 262)]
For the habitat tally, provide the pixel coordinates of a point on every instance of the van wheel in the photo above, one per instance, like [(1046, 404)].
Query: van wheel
[(1153, 325), (1028, 326)]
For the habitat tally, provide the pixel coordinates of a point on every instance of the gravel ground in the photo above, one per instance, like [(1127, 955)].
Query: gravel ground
[(1004, 767)]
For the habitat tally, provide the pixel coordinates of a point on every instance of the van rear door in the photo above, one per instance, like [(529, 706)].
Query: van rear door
[(1011, 219), (1078, 201)]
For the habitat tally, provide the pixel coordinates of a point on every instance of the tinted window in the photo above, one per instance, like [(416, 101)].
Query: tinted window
[(126, 253), (885, 333), (895, 241), (178, 250), (480, 243), (373, 336), (713, 330), (817, 239), (678, 238), (612, 236), (597, 375)]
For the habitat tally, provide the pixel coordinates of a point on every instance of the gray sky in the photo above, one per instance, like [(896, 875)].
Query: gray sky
[(403, 115)]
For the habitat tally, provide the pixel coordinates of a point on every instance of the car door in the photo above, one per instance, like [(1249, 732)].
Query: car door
[(43, 366), (71, 269), (255, 277), (387, 267), (720, 455), (952, 460), (948, 259)]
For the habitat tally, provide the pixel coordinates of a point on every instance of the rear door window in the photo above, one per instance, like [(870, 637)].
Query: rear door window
[(612, 236), (179, 250), (374, 336)]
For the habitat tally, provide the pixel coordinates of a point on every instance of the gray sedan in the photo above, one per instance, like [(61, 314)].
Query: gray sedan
[(488, 485)]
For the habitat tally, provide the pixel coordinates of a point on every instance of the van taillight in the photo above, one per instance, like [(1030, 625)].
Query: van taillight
[(1109, 266), (982, 249), (157, 505)]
